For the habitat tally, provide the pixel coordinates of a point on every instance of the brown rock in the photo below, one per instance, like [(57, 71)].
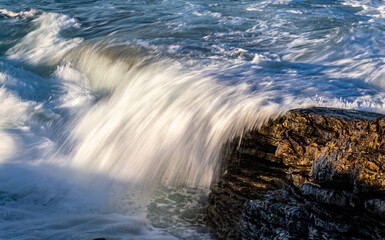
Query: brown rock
[(314, 173)]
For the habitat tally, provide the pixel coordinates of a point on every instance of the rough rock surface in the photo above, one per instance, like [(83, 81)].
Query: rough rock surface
[(314, 173)]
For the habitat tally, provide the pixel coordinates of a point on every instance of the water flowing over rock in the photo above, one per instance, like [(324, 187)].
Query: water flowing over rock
[(314, 173)]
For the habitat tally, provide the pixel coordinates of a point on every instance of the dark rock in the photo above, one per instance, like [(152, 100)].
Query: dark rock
[(312, 174)]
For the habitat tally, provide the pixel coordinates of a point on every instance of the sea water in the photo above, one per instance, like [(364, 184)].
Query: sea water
[(113, 114)]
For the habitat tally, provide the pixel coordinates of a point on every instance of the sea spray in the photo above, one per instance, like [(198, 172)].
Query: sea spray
[(45, 45), (22, 14), (92, 124), (158, 122)]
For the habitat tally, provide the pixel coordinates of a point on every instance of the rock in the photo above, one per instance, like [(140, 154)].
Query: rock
[(313, 173)]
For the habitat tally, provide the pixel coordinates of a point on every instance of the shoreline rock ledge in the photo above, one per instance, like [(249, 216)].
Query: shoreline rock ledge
[(315, 173)]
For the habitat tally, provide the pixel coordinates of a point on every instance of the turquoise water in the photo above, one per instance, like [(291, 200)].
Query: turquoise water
[(113, 114)]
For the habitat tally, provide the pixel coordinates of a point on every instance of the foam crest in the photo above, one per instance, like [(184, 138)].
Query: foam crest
[(13, 111), (45, 44), (374, 9), (160, 123), (22, 14), (20, 142), (74, 95), (103, 115), (7, 147), (107, 67)]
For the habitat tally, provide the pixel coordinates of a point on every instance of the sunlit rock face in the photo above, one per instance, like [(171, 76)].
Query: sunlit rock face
[(313, 174)]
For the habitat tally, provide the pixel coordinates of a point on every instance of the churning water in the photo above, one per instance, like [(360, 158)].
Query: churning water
[(113, 114)]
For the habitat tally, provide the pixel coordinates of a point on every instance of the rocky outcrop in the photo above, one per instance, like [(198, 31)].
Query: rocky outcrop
[(312, 174)]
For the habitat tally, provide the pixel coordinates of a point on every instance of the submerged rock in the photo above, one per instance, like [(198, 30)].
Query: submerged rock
[(314, 173)]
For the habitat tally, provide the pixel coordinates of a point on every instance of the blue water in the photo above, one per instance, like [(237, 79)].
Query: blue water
[(113, 114)]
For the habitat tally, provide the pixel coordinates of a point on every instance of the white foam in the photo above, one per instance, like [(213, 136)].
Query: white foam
[(233, 20), (258, 58), (176, 138), (13, 111), (375, 9), (133, 120), (45, 45), (7, 147), (207, 13), (74, 93), (22, 14), (158, 123), (260, 5)]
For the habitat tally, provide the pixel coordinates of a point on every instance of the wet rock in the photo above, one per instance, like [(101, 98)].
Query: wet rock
[(314, 173)]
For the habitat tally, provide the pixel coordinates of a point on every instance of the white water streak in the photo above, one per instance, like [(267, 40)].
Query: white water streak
[(160, 124), (21, 14), (45, 44)]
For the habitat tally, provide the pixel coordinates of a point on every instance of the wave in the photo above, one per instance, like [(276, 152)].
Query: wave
[(45, 44), (137, 118), (107, 115), (158, 122), (22, 14)]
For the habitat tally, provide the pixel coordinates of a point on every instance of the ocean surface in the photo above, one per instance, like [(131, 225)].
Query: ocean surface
[(113, 114)]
